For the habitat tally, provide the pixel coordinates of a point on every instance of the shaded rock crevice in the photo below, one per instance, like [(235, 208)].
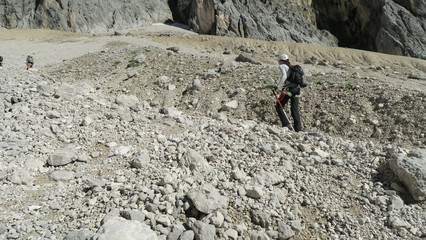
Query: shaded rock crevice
[(394, 27)]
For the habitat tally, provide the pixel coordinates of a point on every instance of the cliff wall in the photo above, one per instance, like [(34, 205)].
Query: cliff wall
[(387, 26)]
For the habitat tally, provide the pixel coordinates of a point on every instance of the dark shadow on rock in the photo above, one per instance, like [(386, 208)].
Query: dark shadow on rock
[(390, 181)]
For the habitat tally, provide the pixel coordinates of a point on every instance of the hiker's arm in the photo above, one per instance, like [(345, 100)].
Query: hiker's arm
[(283, 77)]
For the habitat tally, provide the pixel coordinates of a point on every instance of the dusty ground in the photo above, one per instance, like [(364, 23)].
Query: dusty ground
[(357, 95), (351, 99)]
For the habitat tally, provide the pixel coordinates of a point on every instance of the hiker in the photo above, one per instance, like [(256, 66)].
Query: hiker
[(1, 61), (292, 93), (29, 62)]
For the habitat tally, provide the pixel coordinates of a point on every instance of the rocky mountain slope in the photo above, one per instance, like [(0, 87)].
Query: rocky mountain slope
[(162, 134), (394, 27)]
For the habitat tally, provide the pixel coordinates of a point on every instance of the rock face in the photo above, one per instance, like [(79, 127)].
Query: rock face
[(394, 27), (291, 21), (82, 16)]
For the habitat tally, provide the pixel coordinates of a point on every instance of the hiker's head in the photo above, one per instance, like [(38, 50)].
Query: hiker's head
[(283, 59)]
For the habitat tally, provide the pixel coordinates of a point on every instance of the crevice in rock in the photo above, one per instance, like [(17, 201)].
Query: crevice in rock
[(387, 178), (180, 10), (37, 4), (355, 24)]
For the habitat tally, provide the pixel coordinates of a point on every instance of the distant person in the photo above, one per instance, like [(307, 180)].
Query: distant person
[(290, 91), (1, 61), (29, 62)]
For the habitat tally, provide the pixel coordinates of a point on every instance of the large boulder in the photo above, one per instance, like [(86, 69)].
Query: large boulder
[(411, 170)]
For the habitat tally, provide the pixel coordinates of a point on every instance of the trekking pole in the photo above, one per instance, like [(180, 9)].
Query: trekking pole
[(280, 97)]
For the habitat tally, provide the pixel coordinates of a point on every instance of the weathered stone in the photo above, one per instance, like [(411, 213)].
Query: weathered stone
[(82, 234), (20, 176), (244, 57), (255, 192), (120, 228), (285, 231), (417, 75), (203, 231), (62, 157), (411, 170), (126, 100), (230, 105), (194, 161), (141, 160), (261, 218), (133, 215), (62, 175), (207, 199)]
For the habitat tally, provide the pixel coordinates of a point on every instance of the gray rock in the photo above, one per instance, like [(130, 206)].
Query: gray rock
[(141, 160), (207, 199), (196, 85), (65, 91), (126, 100), (120, 228), (260, 218), (132, 73), (62, 175), (173, 235), (162, 80), (3, 229), (228, 66), (285, 231), (417, 75), (140, 58), (203, 231), (232, 234), (259, 235), (255, 192), (133, 215), (296, 225), (230, 105), (53, 114), (82, 234), (187, 235), (171, 112), (194, 161), (398, 223), (111, 214), (395, 202), (20, 176), (163, 220), (62, 157), (45, 89), (173, 49), (411, 170), (245, 57)]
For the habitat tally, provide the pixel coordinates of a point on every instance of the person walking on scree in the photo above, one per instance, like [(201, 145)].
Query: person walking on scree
[(292, 94)]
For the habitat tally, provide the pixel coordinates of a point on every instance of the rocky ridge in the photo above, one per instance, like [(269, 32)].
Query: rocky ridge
[(147, 141)]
